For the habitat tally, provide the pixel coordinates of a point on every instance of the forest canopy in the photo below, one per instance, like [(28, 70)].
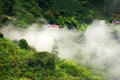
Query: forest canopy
[(61, 12)]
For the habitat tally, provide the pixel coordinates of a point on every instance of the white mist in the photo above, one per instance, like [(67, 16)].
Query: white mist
[(98, 46)]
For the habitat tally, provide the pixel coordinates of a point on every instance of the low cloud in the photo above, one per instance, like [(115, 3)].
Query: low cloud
[(99, 45)]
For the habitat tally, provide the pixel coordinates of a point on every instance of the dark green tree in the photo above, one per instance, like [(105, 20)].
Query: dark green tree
[(23, 44), (1, 35), (43, 60)]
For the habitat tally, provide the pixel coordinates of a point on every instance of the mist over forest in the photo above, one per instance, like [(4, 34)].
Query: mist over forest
[(59, 39)]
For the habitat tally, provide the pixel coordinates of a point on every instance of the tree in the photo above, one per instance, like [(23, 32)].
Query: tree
[(23, 44), (1, 35), (55, 47), (43, 60)]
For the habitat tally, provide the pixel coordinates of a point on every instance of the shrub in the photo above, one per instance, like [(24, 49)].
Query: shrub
[(1, 35), (23, 44), (75, 70), (43, 59)]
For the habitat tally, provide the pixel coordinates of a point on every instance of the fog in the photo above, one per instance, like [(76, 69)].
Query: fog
[(99, 45)]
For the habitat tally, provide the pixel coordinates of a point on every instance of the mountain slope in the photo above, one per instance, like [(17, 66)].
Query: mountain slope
[(22, 64)]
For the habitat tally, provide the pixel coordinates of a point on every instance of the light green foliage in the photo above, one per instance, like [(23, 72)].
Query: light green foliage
[(10, 55), (71, 22), (78, 71), (21, 64), (82, 27)]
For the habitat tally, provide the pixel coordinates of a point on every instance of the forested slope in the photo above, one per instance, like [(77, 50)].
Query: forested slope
[(19, 61), (72, 13)]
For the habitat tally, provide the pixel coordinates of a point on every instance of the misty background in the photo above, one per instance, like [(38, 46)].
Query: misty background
[(97, 46), (88, 33)]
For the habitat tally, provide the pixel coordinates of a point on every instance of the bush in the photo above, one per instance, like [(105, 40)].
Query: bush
[(23, 44), (82, 27), (43, 59), (1, 35), (78, 71)]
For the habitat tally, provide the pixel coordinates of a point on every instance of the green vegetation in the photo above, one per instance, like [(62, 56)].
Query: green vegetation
[(20, 64), (1, 35), (19, 12), (23, 44), (20, 61), (70, 13)]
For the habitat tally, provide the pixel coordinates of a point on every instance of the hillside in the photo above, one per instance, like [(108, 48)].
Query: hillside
[(20, 61), (26, 64), (64, 12)]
